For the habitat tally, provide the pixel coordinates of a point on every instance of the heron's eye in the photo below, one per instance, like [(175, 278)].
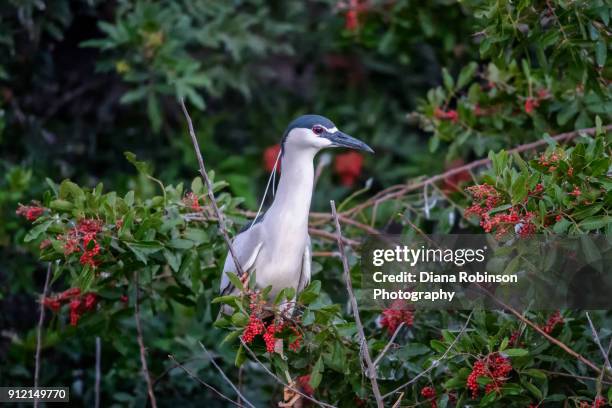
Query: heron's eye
[(318, 129)]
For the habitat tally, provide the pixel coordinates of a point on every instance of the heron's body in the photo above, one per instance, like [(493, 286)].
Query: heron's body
[(277, 247)]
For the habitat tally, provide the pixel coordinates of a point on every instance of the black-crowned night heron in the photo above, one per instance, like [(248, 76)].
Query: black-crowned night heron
[(276, 245)]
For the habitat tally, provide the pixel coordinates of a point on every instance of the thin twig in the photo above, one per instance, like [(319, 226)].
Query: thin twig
[(548, 337), (575, 376), (598, 342), (388, 345), (227, 380), (139, 337), (332, 237), (198, 379), (167, 370), (434, 363), (280, 381), (98, 372), (209, 187), (371, 368), (41, 321)]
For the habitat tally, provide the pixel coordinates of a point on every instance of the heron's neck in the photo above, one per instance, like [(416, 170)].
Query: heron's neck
[(292, 201)]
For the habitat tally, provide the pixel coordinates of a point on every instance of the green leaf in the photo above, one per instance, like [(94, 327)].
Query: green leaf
[(317, 373), (173, 259), (437, 345), (143, 249), (228, 299), (519, 189), (593, 223), (37, 230), (535, 373), (561, 226), (240, 356), (61, 205), (231, 337), (196, 186), (449, 84), (532, 389), (240, 319), (466, 75), (179, 243), (285, 293), (141, 166), (516, 352), (311, 293), (235, 280), (133, 95), (601, 53)]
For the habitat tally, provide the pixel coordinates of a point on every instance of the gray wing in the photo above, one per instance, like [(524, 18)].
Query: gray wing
[(246, 246), (306, 267)]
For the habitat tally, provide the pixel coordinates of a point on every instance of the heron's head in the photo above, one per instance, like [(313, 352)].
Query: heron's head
[(314, 132)]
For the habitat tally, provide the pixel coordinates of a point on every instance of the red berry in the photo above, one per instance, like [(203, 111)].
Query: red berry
[(430, 394), (395, 315), (304, 383)]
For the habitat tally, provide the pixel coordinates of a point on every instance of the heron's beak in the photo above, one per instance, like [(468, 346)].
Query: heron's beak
[(340, 139)]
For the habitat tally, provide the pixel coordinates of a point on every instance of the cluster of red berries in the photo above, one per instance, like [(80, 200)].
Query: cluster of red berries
[(598, 402), (550, 161), (256, 327), (397, 314), (270, 336), (297, 343), (495, 367), (192, 201), (83, 236), (30, 212), (430, 394), (348, 167), (450, 115), (514, 220), (531, 103), (79, 303), (552, 322), (354, 9), (575, 192)]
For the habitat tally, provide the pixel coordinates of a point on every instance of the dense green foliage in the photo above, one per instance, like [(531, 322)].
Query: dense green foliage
[(430, 85)]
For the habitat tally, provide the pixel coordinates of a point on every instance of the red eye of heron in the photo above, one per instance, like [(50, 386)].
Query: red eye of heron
[(318, 129)]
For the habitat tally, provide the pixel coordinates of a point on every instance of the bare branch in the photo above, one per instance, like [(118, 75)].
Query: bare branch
[(391, 340), (198, 379), (330, 236), (227, 380), (576, 377), (41, 321), (434, 363), (371, 368), (283, 383), (211, 194), (143, 355), (548, 337), (397, 191), (598, 342), (98, 372)]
